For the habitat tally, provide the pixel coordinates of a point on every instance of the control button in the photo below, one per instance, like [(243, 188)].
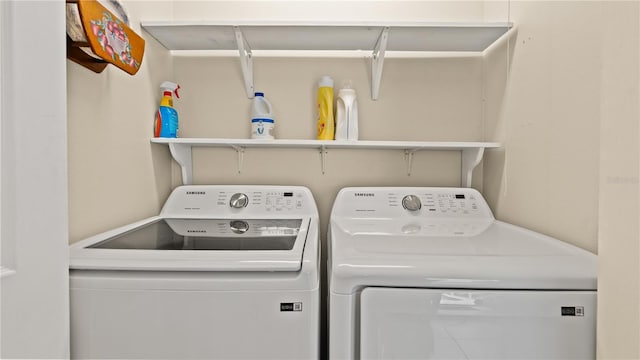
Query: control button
[(239, 226), (238, 200), (411, 203)]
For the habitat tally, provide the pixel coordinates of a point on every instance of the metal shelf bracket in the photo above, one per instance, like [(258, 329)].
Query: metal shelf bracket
[(323, 157), (246, 61), (182, 154), (408, 158), (240, 152), (377, 62), (470, 159)]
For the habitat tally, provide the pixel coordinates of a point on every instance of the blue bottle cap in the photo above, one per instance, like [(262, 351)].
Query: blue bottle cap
[(259, 94), (257, 120)]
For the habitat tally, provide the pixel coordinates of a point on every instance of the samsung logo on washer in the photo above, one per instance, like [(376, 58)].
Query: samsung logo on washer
[(196, 192), (197, 231), (364, 194)]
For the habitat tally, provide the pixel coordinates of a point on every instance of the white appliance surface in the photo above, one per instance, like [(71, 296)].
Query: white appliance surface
[(222, 272), (427, 272)]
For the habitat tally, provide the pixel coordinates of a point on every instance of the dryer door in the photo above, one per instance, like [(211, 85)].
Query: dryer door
[(465, 324)]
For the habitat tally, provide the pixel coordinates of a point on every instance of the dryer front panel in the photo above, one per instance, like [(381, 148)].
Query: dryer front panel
[(398, 323)]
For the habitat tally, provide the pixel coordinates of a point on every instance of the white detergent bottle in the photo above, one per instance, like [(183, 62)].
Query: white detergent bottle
[(347, 114), (262, 122)]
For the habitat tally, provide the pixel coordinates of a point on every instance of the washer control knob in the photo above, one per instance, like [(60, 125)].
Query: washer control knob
[(239, 226), (411, 203), (239, 200)]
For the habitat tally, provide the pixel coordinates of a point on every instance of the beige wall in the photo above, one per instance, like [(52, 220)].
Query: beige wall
[(329, 10), (563, 99), (618, 233), (545, 109), (115, 175)]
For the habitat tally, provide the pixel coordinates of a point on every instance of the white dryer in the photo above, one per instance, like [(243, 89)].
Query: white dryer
[(428, 273), (223, 272)]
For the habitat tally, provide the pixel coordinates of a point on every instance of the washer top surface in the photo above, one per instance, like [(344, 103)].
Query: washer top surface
[(210, 228), (443, 238)]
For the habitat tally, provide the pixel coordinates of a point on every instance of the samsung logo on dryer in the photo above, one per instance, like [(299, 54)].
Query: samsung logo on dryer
[(197, 231), (196, 192), (362, 194)]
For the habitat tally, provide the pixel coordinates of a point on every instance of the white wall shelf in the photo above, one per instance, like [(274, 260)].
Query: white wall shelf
[(181, 150), (373, 38)]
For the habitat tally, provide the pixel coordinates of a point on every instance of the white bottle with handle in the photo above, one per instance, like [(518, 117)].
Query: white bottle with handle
[(347, 114), (262, 122)]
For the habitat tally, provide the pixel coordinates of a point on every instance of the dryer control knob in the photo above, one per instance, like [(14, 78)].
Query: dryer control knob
[(239, 200), (411, 203)]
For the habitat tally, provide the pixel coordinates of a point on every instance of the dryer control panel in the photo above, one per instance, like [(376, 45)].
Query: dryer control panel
[(245, 201), (401, 202)]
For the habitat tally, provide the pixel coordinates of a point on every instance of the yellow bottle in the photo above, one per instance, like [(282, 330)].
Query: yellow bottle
[(326, 123)]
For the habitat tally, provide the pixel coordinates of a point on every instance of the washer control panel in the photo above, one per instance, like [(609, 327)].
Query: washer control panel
[(400, 202), (218, 200)]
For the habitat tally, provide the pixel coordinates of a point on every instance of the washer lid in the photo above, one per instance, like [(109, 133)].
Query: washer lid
[(479, 254), (196, 245)]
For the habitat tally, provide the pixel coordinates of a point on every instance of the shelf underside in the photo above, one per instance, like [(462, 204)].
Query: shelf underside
[(414, 37)]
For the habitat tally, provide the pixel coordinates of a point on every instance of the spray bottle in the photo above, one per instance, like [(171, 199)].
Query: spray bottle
[(166, 124)]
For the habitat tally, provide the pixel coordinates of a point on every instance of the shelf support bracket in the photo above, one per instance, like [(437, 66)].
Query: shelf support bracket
[(240, 152), (408, 158), (323, 157), (470, 159), (246, 61), (182, 154), (377, 61)]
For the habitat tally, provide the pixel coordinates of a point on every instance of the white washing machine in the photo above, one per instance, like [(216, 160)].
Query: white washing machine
[(224, 272), (428, 273)]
